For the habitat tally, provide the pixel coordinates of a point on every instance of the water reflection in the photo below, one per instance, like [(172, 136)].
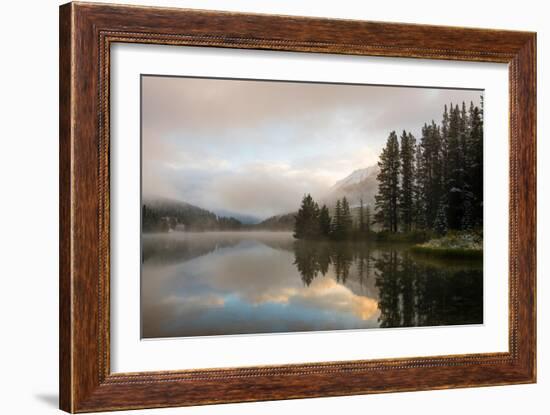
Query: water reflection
[(314, 258), (416, 292), (264, 282)]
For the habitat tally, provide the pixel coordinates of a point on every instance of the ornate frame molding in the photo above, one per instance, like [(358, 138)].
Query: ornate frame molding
[(86, 33)]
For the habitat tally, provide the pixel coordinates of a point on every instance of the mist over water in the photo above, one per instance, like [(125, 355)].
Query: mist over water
[(221, 283)]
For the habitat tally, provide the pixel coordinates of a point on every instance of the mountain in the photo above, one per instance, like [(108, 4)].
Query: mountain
[(172, 207), (167, 214), (361, 184), (283, 222), (241, 217), (175, 208), (357, 176)]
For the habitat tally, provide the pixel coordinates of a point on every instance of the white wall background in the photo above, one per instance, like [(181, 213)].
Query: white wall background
[(29, 205)]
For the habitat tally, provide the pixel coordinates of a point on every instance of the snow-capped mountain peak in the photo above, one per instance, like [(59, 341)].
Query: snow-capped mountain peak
[(357, 176), (360, 185)]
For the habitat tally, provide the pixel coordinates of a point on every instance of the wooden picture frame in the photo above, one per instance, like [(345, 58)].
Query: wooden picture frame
[(86, 33)]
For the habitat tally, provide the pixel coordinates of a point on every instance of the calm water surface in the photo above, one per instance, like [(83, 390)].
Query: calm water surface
[(214, 283)]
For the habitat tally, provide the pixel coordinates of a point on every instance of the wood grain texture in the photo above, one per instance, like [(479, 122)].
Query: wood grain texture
[(65, 247), (86, 33)]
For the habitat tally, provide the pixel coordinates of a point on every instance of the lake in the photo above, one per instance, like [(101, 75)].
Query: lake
[(220, 283)]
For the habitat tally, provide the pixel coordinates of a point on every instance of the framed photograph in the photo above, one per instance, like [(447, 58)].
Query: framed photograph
[(258, 207)]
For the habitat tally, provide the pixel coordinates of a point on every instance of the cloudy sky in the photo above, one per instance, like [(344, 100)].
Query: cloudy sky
[(256, 147)]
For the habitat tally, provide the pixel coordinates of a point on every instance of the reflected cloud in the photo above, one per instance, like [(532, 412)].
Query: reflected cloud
[(255, 282), (327, 294), (246, 280)]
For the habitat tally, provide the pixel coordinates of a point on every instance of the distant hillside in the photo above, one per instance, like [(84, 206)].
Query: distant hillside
[(278, 222), (241, 217), (166, 214), (361, 184)]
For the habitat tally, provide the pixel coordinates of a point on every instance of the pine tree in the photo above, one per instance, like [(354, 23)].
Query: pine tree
[(470, 151), (440, 223), (464, 131), (419, 203), (406, 196), (324, 222), (444, 150), (347, 220), (364, 218), (361, 216), (432, 169), (468, 216), (388, 185), (337, 230), (476, 163), (436, 183), (367, 219), (306, 225), (455, 182)]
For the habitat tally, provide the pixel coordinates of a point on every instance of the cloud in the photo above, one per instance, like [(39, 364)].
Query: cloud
[(201, 105), (256, 147), (269, 188), (186, 294)]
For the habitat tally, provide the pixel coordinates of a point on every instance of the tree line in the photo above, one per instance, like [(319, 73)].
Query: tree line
[(166, 217), (314, 222), (435, 183)]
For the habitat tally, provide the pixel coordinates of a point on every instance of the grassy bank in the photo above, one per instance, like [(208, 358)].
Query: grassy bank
[(453, 245)]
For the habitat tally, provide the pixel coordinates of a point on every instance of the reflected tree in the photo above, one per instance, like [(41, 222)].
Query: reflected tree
[(314, 258), (342, 259), (363, 261), (306, 259), (413, 293), (387, 282)]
